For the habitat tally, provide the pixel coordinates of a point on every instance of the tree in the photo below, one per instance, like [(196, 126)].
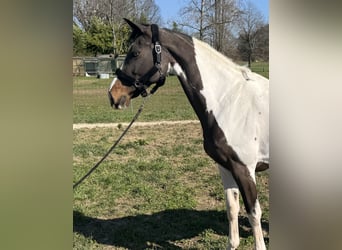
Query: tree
[(212, 20), (250, 24), (146, 11), (112, 12), (83, 11), (99, 37), (195, 16), (79, 38), (225, 16), (175, 27), (262, 45)]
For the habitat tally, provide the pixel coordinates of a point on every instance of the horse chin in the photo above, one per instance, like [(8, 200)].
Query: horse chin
[(119, 107), (123, 102)]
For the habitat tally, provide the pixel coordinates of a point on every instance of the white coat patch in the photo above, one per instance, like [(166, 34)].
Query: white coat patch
[(179, 71), (239, 103), (112, 84)]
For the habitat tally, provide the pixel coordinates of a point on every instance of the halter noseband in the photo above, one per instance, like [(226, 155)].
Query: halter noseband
[(142, 83)]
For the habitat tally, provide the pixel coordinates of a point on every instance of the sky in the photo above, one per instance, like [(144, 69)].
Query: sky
[(169, 8)]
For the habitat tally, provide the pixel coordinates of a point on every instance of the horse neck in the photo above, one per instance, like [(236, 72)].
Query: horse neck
[(200, 65)]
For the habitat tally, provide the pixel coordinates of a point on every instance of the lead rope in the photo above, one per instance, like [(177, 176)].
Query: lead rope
[(116, 143)]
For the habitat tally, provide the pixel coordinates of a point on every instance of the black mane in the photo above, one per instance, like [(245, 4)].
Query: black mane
[(187, 37)]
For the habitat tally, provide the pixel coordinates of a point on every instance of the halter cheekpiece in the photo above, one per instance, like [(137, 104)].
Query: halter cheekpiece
[(142, 83)]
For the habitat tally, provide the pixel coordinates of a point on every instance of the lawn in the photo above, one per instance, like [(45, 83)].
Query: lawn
[(91, 104), (158, 189), (261, 68)]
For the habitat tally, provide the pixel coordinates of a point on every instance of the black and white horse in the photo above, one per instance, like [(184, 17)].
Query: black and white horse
[(231, 102)]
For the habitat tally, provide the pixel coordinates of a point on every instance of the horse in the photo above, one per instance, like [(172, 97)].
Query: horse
[(230, 101)]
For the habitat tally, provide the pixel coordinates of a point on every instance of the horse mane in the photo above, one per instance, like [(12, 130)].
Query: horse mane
[(185, 36), (243, 70)]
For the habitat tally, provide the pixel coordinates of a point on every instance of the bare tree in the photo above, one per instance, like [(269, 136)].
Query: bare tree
[(115, 10), (250, 25), (147, 11), (211, 19), (195, 16), (83, 11), (262, 44), (226, 15), (112, 13)]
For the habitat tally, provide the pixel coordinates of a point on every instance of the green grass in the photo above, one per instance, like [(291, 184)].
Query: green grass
[(261, 68), (91, 104), (157, 190)]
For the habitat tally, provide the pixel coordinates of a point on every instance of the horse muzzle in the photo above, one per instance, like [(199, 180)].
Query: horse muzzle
[(119, 95)]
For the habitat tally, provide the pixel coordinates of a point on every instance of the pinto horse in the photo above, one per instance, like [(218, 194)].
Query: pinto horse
[(231, 102)]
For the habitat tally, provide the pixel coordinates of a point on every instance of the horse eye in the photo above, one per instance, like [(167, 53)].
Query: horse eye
[(136, 53)]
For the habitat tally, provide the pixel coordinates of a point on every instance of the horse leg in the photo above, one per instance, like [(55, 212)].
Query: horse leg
[(255, 221), (254, 218), (245, 180), (231, 192)]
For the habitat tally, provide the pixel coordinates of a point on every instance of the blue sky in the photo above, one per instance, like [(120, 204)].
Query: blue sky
[(169, 8)]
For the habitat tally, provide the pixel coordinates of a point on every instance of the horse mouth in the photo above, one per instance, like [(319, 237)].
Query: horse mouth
[(122, 103)]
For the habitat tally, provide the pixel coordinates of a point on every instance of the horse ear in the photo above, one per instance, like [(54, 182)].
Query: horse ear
[(135, 27)]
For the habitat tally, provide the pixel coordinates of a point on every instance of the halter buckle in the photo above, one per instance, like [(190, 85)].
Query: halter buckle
[(157, 48)]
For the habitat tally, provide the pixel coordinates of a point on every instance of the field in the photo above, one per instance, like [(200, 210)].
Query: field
[(158, 189), (91, 104)]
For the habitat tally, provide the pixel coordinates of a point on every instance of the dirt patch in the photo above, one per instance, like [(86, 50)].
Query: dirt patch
[(89, 92), (140, 124)]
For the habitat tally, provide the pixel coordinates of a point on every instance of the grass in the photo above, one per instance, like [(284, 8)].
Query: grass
[(91, 104), (158, 189), (261, 68)]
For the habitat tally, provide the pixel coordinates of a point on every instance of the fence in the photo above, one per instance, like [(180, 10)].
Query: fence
[(95, 66)]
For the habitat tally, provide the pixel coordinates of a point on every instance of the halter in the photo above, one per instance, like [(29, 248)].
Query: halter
[(142, 83)]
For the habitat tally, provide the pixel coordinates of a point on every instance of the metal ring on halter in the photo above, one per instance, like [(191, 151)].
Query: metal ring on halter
[(138, 84)]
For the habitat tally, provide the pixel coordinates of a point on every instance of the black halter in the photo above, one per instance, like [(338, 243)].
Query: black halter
[(142, 83)]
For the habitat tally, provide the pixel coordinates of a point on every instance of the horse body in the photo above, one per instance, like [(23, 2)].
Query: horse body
[(231, 103), (239, 105), (238, 99)]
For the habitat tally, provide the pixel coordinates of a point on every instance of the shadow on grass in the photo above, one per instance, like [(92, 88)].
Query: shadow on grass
[(155, 230)]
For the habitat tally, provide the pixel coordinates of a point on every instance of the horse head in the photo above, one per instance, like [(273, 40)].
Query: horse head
[(146, 63)]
